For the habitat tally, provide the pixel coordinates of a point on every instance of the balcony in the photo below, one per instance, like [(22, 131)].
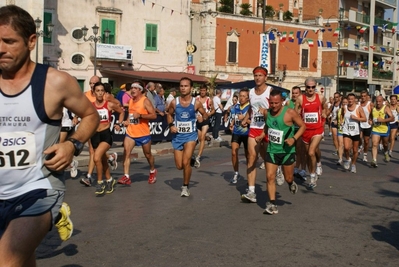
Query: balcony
[(389, 2), (380, 74), (362, 18)]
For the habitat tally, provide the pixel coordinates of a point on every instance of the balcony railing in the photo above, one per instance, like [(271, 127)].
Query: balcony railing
[(380, 22), (362, 18), (382, 74)]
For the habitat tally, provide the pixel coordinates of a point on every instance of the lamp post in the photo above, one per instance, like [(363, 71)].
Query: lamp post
[(94, 38), (40, 33), (340, 17)]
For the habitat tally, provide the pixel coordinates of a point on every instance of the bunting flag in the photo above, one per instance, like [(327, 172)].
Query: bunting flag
[(372, 47), (319, 43), (310, 42), (336, 32), (363, 29), (384, 27), (299, 41), (394, 25), (375, 28), (171, 12), (316, 31), (143, 2), (329, 44), (298, 34), (323, 30), (283, 37), (304, 34), (271, 36), (348, 27), (291, 37)]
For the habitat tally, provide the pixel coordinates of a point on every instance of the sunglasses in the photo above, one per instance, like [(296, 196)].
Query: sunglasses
[(313, 87)]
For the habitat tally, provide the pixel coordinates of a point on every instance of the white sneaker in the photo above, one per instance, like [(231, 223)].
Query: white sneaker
[(279, 176), (262, 166), (235, 178), (112, 161), (319, 170), (353, 169), (197, 162), (74, 168), (365, 158), (184, 191), (313, 180), (347, 164), (219, 139)]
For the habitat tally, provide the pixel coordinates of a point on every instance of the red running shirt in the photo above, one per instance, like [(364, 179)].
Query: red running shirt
[(311, 113)]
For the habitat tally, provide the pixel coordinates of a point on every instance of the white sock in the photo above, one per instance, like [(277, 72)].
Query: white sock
[(127, 175), (251, 188), (236, 173), (152, 171)]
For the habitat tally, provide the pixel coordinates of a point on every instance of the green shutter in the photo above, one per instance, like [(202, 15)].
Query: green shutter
[(110, 25), (81, 84), (151, 33), (47, 17)]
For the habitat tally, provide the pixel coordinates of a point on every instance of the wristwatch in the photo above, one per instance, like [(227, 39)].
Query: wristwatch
[(78, 146)]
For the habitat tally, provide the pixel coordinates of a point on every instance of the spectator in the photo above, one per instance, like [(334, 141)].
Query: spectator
[(217, 105), (171, 96), (160, 100), (150, 92), (122, 92)]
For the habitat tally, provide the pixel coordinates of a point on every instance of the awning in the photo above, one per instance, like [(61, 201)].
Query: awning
[(248, 84), (160, 76)]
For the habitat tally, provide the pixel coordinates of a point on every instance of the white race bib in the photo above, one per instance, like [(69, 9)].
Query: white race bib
[(103, 113), (275, 136), (311, 117), (132, 120), (184, 126), (18, 150)]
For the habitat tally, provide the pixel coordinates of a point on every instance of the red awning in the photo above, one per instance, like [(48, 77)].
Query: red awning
[(160, 76)]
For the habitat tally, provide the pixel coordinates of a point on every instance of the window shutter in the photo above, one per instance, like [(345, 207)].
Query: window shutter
[(232, 52), (304, 60), (47, 17), (110, 25)]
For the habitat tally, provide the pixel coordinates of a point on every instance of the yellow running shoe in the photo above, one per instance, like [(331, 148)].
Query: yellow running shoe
[(65, 225)]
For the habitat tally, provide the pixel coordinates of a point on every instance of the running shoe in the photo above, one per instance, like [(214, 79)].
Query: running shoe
[(313, 180), (347, 164), (249, 196), (109, 186), (112, 161), (184, 191), (380, 147), (365, 158), (319, 170), (339, 162), (262, 166), (279, 176), (219, 139), (235, 178), (192, 161), (153, 177), (124, 180), (353, 168), (374, 163), (330, 133), (390, 153), (100, 188), (360, 149), (208, 140), (335, 153), (197, 162), (270, 209), (86, 181), (65, 225), (387, 158), (302, 175), (293, 188), (74, 168)]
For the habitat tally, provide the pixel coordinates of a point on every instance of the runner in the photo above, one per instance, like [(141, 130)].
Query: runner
[(393, 125), (32, 96), (352, 116), (340, 136), (280, 121), (259, 101), (311, 106), (365, 127), (141, 111), (102, 139), (333, 111), (300, 162), (380, 117), (239, 133), (182, 122), (203, 126)]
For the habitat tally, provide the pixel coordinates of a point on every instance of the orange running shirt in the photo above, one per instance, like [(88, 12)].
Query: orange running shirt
[(137, 127)]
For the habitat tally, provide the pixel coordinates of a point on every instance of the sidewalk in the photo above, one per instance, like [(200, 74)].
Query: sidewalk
[(158, 149)]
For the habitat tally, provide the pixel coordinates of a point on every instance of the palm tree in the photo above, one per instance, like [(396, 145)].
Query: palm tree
[(246, 9)]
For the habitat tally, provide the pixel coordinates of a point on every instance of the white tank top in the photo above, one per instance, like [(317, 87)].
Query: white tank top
[(395, 116), (25, 132), (66, 121), (366, 109), (258, 101), (350, 127)]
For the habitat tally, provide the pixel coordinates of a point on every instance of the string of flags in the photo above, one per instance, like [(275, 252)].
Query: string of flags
[(162, 7)]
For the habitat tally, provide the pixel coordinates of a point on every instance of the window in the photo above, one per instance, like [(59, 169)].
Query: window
[(77, 34), (78, 59), (110, 25), (47, 17), (304, 58), (232, 52), (151, 34)]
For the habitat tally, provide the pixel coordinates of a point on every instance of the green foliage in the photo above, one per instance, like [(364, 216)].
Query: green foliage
[(287, 15), (227, 6), (269, 11), (246, 9)]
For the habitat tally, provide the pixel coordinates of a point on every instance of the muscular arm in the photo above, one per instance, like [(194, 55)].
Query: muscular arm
[(170, 114), (390, 115), (298, 105), (150, 109), (200, 109)]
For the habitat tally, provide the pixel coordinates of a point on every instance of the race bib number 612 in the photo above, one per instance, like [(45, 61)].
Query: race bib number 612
[(18, 150)]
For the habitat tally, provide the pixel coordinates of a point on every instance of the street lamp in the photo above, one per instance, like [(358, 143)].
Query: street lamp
[(94, 38), (40, 33)]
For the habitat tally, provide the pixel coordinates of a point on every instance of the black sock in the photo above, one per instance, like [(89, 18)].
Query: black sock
[(59, 216), (290, 183), (185, 185), (273, 202)]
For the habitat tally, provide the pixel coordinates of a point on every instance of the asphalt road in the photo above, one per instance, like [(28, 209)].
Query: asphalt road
[(348, 220)]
